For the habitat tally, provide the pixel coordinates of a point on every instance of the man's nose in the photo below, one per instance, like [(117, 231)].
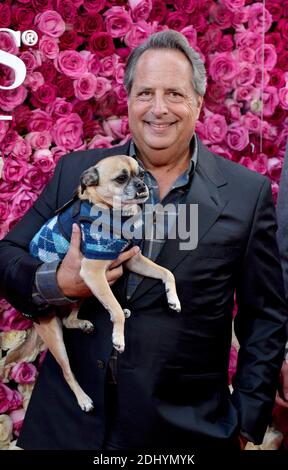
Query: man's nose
[(159, 106)]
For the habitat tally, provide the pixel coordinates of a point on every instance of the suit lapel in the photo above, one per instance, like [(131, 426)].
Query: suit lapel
[(205, 191)]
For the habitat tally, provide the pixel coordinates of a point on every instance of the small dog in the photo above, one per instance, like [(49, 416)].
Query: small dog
[(114, 183)]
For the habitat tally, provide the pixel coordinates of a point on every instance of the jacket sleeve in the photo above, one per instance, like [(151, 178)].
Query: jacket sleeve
[(260, 322), (17, 267)]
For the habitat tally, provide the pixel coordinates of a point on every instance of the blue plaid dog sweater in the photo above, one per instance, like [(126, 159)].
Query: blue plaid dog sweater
[(102, 233)]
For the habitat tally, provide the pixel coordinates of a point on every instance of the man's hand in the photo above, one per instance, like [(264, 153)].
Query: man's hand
[(68, 277), (282, 395)]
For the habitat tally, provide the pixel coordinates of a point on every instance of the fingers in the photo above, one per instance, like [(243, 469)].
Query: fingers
[(284, 374), (125, 256), (279, 401), (75, 238)]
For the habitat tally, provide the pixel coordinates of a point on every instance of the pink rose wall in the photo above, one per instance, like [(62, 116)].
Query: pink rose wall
[(73, 98)]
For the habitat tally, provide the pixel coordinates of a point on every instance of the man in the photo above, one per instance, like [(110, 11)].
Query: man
[(169, 389), (282, 237)]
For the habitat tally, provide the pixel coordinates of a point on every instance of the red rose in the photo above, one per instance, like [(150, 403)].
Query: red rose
[(5, 15), (158, 12), (44, 95), (70, 40), (67, 10), (23, 17), (84, 109), (48, 71), (92, 23), (42, 5), (21, 117), (65, 86), (177, 20), (101, 44)]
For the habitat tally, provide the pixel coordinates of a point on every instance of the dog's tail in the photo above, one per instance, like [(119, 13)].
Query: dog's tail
[(27, 351)]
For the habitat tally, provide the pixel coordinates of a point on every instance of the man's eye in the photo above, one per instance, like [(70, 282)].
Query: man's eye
[(121, 179)]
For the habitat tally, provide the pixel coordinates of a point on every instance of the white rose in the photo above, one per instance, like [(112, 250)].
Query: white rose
[(12, 339), (6, 427)]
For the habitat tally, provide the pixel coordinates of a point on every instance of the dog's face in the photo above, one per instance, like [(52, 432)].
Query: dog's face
[(115, 181)]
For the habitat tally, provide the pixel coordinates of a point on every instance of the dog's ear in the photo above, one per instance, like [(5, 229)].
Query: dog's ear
[(89, 177)]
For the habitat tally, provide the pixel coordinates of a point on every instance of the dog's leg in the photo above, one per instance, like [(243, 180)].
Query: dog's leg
[(73, 322), (141, 265), (93, 273), (50, 330)]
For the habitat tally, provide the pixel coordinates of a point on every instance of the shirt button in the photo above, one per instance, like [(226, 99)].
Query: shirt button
[(100, 364)]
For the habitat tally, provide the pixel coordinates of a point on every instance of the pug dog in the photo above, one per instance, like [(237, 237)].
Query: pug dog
[(114, 183)]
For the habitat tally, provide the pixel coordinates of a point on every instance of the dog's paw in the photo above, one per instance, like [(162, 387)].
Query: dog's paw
[(86, 326), (86, 404), (175, 305), (118, 342)]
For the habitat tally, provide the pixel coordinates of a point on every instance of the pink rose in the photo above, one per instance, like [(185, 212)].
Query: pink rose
[(43, 159), (14, 170), (283, 97), (71, 63), (226, 44), (93, 6), (7, 43), (59, 108), (246, 93), (22, 201), (137, 34), (262, 77), (6, 395), (67, 132), (32, 60), (258, 22), (4, 126), (223, 67), (17, 417), (35, 179), (39, 140), (57, 153), (16, 401), (50, 23), (107, 65), (274, 168), (141, 9), (93, 64), (246, 75), (221, 15), (234, 5), (9, 141), (251, 122), (237, 136), (9, 99), (85, 86), (246, 54), (270, 100), (119, 73), (22, 149), (49, 47), (100, 141), (248, 39), (246, 161), (113, 127), (103, 86), (24, 373), (40, 121), (34, 80), (191, 34), (266, 56), (118, 22), (11, 319), (221, 150), (216, 128), (4, 210)]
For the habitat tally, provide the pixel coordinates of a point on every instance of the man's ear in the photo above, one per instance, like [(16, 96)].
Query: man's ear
[(89, 177)]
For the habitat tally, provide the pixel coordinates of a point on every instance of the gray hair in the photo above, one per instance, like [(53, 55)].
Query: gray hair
[(168, 39)]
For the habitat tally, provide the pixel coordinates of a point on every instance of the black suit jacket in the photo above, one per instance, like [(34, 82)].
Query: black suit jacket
[(172, 389)]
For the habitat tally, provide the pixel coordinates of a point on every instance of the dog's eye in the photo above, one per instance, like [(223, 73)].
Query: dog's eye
[(121, 179), (141, 173)]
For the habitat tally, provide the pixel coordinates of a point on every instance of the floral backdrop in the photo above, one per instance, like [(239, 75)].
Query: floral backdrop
[(73, 98)]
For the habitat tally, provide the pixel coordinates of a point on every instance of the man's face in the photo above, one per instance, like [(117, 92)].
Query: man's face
[(163, 107)]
